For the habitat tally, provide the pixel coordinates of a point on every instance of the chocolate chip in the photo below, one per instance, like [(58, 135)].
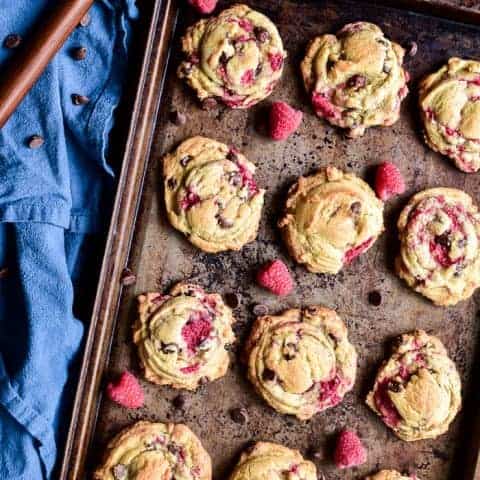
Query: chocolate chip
[(232, 299), (85, 21), (223, 58), (268, 375), (4, 272), (173, 448), (444, 240), (394, 386), (462, 243), (178, 118), (169, 348), (79, 53), (261, 34), (171, 183), (412, 48), (333, 338), (78, 99), (357, 81), (12, 41), (35, 141), (128, 277), (203, 380), (259, 310), (232, 156), (209, 104), (330, 64), (235, 178), (239, 415), (356, 207), (184, 160), (258, 70), (459, 267), (119, 472), (375, 298), (178, 402), (224, 222)]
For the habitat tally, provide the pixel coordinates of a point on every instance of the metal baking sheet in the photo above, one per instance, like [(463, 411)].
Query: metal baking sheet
[(160, 257)]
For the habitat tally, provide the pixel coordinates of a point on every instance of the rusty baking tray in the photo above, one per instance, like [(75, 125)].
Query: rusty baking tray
[(140, 237)]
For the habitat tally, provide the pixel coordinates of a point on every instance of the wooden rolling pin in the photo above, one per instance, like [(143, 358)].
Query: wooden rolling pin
[(28, 63)]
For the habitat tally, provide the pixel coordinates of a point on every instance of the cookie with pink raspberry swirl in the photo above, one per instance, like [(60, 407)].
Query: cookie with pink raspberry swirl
[(211, 195), (236, 57), (154, 451), (439, 232), (271, 461), (355, 78), (301, 362), (450, 109), (417, 391), (182, 337)]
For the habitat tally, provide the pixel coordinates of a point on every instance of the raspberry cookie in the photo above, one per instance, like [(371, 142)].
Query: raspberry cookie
[(181, 337), (355, 78), (211, 195), (330, 218), (439, 257), (155, 450), (391, 475), (269, 460), (417, 392), (236, 57), (450, 108), (301, 361)]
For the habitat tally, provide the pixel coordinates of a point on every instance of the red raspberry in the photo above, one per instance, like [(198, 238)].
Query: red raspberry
[(284, 120), (388, 181), (126, 391), (203, 6), (349, 451), (274, 276)]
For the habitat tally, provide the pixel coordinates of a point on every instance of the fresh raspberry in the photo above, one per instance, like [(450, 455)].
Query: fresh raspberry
[(126, 391), (388, 181), (203, 6), (349, 451), (284, 120), (274, 276)]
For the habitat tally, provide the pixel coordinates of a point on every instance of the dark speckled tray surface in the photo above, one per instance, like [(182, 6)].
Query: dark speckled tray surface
[(160, 256)]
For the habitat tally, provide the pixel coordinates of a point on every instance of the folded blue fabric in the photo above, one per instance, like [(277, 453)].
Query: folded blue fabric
[(52, 199)]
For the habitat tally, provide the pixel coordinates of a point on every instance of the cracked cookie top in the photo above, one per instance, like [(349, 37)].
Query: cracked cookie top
[(236, 57), (211, 195), (355, 78)]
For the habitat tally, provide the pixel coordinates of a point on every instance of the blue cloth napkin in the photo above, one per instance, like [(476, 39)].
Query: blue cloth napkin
[(53, 200)]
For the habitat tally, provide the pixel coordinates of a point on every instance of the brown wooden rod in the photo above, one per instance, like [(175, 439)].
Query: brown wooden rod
[(30, 60)]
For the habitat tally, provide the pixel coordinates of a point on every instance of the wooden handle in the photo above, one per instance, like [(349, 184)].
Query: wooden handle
[(34, 55)]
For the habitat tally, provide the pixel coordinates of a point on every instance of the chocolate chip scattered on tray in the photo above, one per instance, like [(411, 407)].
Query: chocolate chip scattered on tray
[(239, 415), (179, 402), (12, 41), (128, 277), (79, 53), (375, 298), (232, 299), (78, 99), (260, 310), (35, 141), (178, 118)]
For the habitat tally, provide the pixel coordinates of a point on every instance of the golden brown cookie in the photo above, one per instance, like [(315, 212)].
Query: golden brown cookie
[(330, 218), (211, 195), (301, 361), (236, 57), (417, 391), (450, 108), (391, 475), (181, 337), (439, 232), (355, 78), (271, 461), (151, 451)]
